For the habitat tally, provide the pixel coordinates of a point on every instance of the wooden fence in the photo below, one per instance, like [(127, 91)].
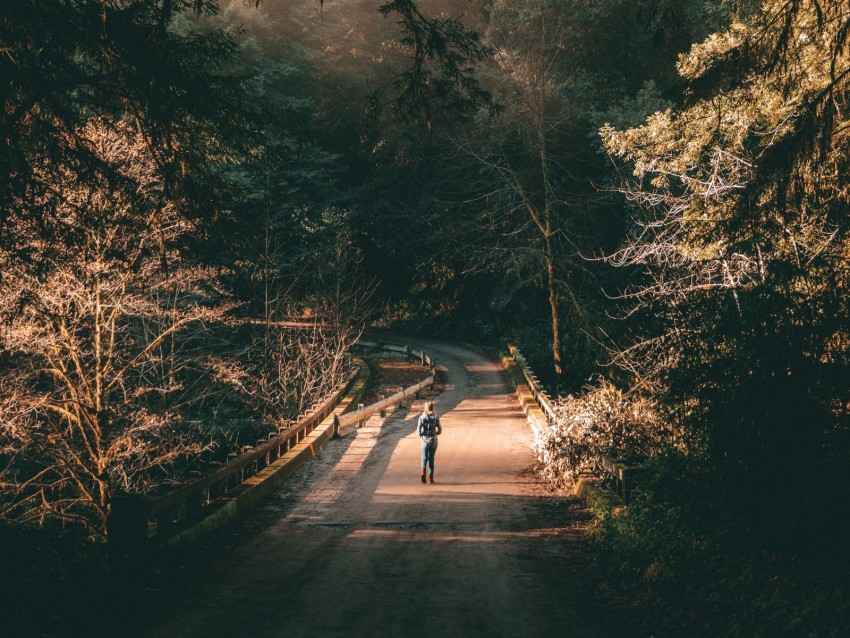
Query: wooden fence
[(364, 412), (538, 392)]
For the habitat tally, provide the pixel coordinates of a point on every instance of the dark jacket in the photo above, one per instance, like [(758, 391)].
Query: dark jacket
[(429, 426)]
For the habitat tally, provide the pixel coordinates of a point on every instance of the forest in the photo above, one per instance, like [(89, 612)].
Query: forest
[(651, 198)]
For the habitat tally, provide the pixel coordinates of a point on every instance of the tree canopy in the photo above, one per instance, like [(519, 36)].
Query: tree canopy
[(649, 196)]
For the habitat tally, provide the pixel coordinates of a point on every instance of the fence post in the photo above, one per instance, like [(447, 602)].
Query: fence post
[(336, 426)]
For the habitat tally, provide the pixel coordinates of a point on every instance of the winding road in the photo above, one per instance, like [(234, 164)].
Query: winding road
[(356, 545)]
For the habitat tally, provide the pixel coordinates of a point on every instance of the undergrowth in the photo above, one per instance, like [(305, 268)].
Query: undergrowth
[(678, 537)]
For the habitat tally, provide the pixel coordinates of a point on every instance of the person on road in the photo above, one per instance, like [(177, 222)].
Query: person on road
[(429, 429)]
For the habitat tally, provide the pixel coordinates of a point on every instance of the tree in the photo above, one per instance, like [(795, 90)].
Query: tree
[(92, 380), (112, 115), (742, 247), (441, 76), (533, 185), (303, 352), (143, 61)]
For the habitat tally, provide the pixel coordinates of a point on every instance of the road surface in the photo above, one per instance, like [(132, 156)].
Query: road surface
[(356, 545)]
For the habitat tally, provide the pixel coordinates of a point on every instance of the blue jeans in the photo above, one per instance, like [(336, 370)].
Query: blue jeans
[(428, 451)]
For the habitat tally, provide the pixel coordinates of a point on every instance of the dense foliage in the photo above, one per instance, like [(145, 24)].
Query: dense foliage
[(649, 196), (743, 242), (125, 347)]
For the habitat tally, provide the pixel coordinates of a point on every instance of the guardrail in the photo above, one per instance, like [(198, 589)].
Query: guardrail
[(405, 350), (138, 518), (364, 412), (538, 392)]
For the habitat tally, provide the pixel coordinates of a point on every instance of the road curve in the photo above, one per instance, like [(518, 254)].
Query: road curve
[(356, 545)]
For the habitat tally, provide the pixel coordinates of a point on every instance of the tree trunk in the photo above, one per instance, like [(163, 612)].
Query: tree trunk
[(553, 306)]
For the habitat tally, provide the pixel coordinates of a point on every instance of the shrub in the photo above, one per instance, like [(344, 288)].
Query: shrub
[(603, 420)]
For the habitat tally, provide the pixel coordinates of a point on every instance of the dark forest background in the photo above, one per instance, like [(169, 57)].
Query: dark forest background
[(649, 197)]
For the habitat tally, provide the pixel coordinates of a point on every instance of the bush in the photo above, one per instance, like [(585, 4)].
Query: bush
[(603, 420), (681, 537)]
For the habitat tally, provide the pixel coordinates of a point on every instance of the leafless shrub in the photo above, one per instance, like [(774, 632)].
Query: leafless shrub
[(296, 361), (603, 420)]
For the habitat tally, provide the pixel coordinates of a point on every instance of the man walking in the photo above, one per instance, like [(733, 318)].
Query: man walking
[(429, 429)]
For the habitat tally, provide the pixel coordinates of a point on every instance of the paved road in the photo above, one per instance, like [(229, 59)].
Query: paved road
[(356, 545)]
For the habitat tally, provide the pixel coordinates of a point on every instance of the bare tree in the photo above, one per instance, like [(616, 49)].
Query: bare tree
[(301, 354), (88, 344)]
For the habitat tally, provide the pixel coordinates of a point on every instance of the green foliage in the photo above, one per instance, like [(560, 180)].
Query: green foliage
[(680, 537), (67, 62), (441, 75), (738, 301), (744, 255)]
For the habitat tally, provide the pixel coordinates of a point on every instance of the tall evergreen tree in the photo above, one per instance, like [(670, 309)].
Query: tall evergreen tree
[(743, 244)]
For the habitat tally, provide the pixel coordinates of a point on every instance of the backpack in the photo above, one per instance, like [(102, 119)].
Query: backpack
[(428, 428)]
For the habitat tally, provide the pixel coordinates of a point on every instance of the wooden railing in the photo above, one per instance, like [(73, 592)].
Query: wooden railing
[(405, 350), (620, 476), (537, 390), (136, 518), (364, 412)]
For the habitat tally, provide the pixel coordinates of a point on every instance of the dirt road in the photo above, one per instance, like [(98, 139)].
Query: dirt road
[(356, 545)]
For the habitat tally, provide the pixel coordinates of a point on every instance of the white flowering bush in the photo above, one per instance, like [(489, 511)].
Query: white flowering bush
[(602, 420)]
